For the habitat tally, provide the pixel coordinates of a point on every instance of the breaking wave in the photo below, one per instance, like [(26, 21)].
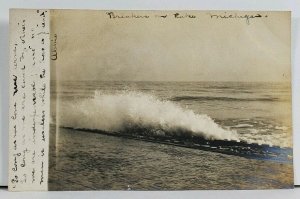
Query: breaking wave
[(122, 112), (143, 114)]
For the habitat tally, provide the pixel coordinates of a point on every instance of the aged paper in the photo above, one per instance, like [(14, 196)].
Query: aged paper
[(29, 100), (154, 100)]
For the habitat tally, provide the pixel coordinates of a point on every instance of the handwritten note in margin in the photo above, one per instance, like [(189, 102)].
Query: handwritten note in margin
[(29, 94)]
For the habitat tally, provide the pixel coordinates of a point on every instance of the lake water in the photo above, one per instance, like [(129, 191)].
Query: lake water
[(253, 113)]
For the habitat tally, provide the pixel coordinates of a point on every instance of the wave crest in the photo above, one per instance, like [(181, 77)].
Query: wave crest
[(131, 110)]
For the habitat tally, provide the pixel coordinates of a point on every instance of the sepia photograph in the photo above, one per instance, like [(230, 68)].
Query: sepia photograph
[(170, 100)]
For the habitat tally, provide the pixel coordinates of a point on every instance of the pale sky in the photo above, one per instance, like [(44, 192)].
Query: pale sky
[(91, 46)]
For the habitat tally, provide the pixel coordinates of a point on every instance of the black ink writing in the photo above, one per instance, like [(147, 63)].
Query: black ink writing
[(246, 17), (42, 173), (180, 16), (15, 78), (113, 15), (14, 116)]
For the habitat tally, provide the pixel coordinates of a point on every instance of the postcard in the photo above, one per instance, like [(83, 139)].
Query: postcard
[(150, 100)]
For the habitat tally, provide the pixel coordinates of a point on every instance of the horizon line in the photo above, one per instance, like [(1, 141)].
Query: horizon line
[(173, 81)]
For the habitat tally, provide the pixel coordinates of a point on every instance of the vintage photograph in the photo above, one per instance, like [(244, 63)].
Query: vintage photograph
[(170, 100)]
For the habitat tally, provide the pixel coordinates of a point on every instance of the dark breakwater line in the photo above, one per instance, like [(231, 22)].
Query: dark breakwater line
[(242, 149)]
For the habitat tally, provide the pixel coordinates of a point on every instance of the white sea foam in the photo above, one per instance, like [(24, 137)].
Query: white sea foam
[(242, 125), (114, 112), (121, 111)]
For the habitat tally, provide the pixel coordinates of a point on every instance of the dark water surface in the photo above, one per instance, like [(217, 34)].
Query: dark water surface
[(88, 161)]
